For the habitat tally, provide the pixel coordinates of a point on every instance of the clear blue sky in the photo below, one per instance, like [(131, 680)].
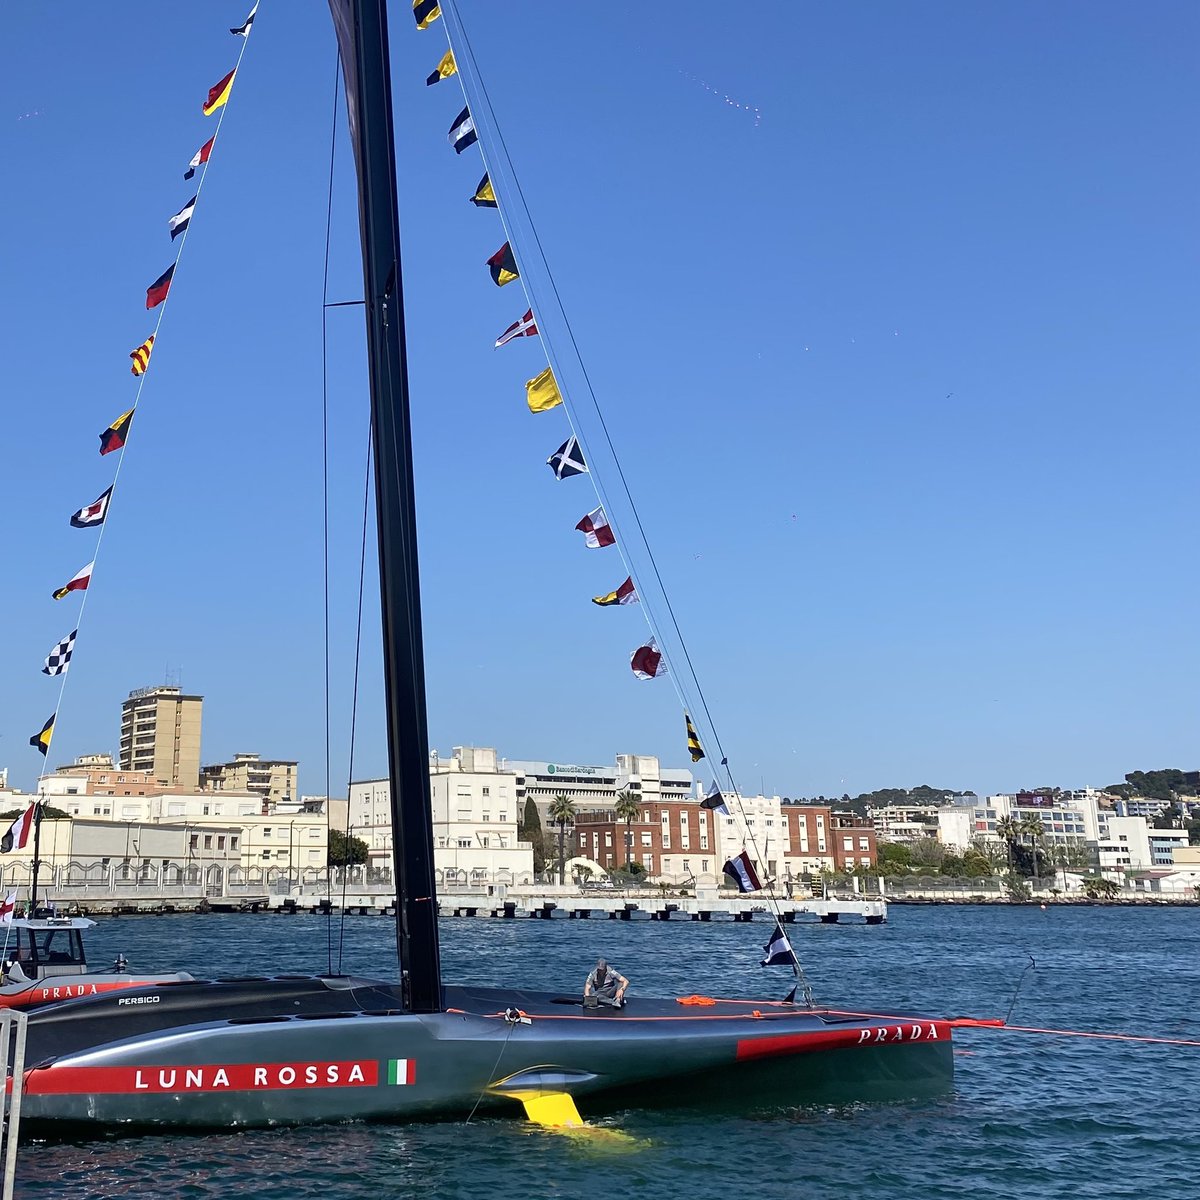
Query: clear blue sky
[(903, 372)]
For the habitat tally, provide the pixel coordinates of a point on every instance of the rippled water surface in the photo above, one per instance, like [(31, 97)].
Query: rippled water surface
[(1031, 1116)]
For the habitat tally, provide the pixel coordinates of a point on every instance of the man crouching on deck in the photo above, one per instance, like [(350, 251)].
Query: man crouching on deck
[(605, 985)]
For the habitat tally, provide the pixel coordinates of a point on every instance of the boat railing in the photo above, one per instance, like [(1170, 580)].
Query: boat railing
[(13, 1024)]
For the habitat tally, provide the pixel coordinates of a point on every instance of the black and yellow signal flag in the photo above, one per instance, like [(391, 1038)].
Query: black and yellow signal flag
[(693, 740), (541, 392), (625, 594), (444, 69), (503, 266), (218, 94), (485, 196), (113, 438), (41, 741), (426, 12), (141, 356)]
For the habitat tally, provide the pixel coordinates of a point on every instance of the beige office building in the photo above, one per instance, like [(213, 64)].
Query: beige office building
[(160, 734)]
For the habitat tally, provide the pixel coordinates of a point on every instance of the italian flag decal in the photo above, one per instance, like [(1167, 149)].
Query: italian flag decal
[(401, 1070)]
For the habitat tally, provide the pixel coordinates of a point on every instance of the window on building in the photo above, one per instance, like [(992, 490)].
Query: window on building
[(221, 842), (487, 791), (96, 811), (608, 839), (864, 843), (666, 840), (848, 843), (208, 841), (704, 864), (266, 854), (233, 842), (503, 818), (194, 841), (464, 843), (647, 838), (267, 832)]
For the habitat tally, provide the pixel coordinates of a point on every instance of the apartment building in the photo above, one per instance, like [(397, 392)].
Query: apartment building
[(160, 735), (476, 809), (275, 779)]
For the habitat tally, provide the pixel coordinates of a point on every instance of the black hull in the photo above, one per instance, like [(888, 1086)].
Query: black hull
[(257, 1053)]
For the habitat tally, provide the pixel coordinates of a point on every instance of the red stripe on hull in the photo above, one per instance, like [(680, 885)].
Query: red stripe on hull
[(39, 994), (835, 1039), (179, 1080)]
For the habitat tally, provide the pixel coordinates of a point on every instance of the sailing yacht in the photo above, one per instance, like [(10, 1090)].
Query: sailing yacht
[(293, 1050)]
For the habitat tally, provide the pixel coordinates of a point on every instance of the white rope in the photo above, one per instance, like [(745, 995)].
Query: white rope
[(470, 82), (162, 312)]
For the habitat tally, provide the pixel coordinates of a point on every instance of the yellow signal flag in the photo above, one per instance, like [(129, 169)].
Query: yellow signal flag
[(141, 356), (693, 741), (542, 392), (485, 194), (444, 69), (426, 12)]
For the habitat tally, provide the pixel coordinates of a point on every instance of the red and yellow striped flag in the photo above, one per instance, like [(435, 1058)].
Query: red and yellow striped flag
[(141, 356)]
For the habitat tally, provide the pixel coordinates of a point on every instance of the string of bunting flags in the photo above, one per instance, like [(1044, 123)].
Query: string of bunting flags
[(115, 438), (543, 393)]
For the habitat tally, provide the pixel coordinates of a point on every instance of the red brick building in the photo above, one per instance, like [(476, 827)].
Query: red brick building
[(677, 839)]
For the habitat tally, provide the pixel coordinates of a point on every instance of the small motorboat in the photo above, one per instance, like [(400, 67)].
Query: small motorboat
[(44, 962)]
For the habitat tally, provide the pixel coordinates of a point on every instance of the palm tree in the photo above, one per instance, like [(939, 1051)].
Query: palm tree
[(562, 812), (626, 808), (1007, 828), (1035, 830)]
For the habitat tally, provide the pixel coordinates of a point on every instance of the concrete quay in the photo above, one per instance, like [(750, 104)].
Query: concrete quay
[(621, 907), (830, 912), (496, 902)]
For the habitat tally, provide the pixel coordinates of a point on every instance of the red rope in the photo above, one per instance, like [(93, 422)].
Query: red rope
[(1108, 1037)]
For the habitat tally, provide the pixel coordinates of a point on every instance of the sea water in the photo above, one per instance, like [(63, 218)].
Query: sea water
[(1032, 1117)]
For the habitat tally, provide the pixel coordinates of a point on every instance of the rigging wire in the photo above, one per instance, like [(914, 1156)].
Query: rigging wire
[(512, 1024), (362, 568), (325, 306), (530, 291), (162, 312), (455, 27)]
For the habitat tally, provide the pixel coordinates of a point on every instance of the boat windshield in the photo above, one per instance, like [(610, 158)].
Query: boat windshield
[(49, 947)]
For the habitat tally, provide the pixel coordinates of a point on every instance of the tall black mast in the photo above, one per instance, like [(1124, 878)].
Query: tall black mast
[(363, 40)]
